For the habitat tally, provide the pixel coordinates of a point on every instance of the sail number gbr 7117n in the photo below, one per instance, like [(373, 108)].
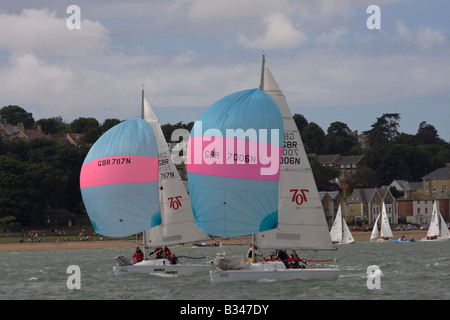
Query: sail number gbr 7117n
[(114, 161)]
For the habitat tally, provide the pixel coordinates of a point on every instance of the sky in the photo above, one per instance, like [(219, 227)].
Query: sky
[(187, 54)]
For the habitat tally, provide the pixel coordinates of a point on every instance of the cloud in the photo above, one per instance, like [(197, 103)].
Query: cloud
[(190, 53), (424, 37), (332, 38), (40, 31), (279, 33)]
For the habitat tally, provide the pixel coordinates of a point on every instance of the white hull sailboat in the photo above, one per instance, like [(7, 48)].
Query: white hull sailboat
[(386, 232), (300, 220), (159, 267), (274, 271), (436, 232), (177, 221), (340, 233), (130, 185)]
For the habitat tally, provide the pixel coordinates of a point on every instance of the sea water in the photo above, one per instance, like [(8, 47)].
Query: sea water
[(410, 271)]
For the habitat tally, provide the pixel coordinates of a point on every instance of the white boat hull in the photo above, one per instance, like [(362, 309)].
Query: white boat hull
[(433, 240), (274, 272), (161, 267)]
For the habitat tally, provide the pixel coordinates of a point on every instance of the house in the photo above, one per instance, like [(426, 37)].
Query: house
[(330, 203), (437, 181), (401, 185), (9, 132), (75, 138), (366, 204), (415, 208), (416, 205), (60, 218), (347, 165)]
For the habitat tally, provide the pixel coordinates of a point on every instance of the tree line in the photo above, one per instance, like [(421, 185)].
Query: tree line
[(42, 174)]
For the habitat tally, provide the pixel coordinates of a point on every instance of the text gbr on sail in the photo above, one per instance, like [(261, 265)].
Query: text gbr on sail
[(114, 161), (290, 149)]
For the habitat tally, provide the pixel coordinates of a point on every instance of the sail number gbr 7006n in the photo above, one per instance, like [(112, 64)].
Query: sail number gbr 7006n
[(290, 149)]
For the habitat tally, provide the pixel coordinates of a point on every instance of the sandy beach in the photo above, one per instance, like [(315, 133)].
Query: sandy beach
[(92, 244), (120, 244)]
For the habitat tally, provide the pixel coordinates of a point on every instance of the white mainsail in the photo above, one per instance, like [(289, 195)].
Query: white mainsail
[(301, 218), (434, 230), (340, 233), (386, 231), (374, 234), (347, 238), (178, 225), (336, 229), (385, 228), (444, 230)]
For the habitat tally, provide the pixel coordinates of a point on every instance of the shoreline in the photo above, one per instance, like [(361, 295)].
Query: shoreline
[(121, 244)]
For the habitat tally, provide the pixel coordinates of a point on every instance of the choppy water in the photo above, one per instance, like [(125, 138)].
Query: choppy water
[(410, 271)]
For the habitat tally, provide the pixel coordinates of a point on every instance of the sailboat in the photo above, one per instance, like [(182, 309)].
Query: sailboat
[(283, 211), (340, 233), (435, 232), (386, 232), (168, 218)]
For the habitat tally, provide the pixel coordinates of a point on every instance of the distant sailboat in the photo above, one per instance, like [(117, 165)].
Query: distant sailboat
[(436, 232), (282, 210), (340, 233), (386, 232)]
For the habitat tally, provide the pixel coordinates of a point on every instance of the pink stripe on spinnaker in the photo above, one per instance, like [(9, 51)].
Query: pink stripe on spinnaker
[(222, 157), (119, 170)]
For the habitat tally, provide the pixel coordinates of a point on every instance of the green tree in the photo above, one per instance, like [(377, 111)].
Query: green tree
[(53, 125), (383, 130), (427, 134), (14, 114), (324, 175), (314, 139), (108, 124), (339, 139), (300, 122), (89, 126), (82, 125)]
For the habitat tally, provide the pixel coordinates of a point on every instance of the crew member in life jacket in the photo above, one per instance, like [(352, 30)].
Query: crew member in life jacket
[(294, 260), (138, 256), (284, 257), (167, 252), (250, 253), (173, 259)]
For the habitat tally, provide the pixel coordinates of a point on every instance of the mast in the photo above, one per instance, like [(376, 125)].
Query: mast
[(144, 240), (263, 65), (142, 103)]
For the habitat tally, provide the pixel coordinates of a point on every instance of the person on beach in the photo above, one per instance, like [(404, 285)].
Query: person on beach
[(138, 256)]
